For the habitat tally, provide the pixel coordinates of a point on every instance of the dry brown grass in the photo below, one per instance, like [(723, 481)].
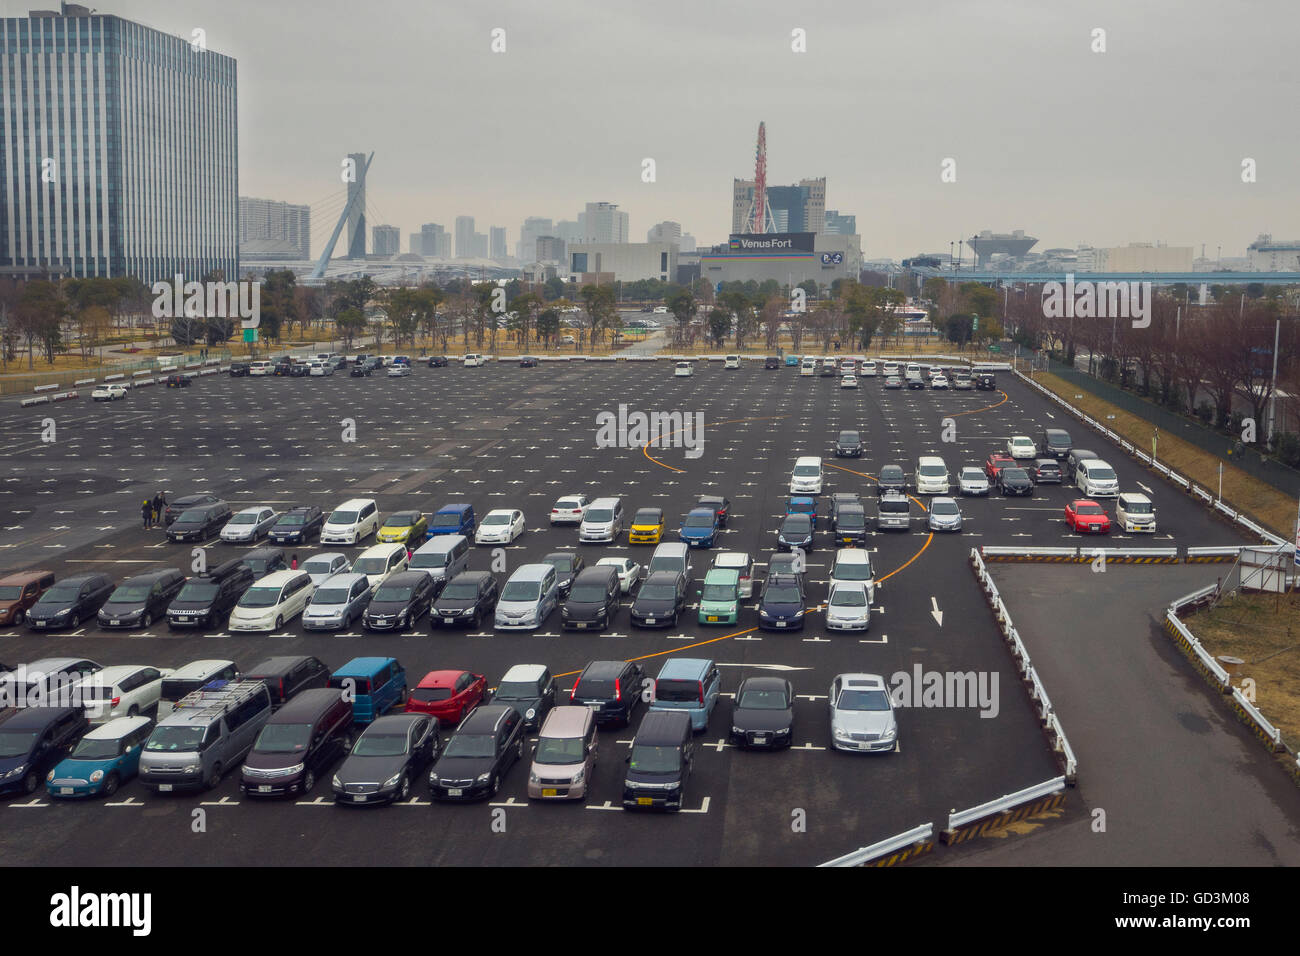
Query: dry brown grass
[(1264, 631), (1270, 507)]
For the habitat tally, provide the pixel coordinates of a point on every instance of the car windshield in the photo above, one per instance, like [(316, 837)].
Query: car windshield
[(283, 738), (16, 743), (290, 520), (891, 473), (244, 517), (646, 517), (851, 520), (497, 519), (129, 594), (318, 566), (647, 759), (972, 474), (657, 592), (588, 594), (325, 596), (471, 745), (1101, 474), (446, 521), (561, 562), (371, 565), (198, 590), (699, 521), (401, 521), (568, 504), (1089, 509), (796, 524), (763, 699), (517, 690), (806, 471), (719, 592), (174, 739), (343, 517), (58, 595), (380, 745), (521, 591), (600, 514), (1015, 474), (943, 508), (560, 750), (932, 471), (394, 592), (260, 597), (848, 597), (461, 591), (782, 594), (192, 516), (849, 438), (852, 571), (92, 749), (1138, 507), (863, 700)]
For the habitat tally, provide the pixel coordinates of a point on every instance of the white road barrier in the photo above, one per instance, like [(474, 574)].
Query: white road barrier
[(911, 840)]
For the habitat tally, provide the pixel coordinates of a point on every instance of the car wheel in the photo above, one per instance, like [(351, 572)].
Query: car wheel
[(214, 778), (404, 788), (134, 711), (308, 782), (30, 781), (75, 621), (18, 616), (146, 619), (401, 697), (496, 785), (519, 749), (110, 785), (279, 622)]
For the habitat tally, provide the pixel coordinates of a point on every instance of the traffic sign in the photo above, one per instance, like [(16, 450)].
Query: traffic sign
[(250, 335)]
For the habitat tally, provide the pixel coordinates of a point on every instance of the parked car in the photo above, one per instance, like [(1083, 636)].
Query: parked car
[(945, 515), (611, 690), (302, 739), (467, 598), (173, 509), (500, 526), (140, 600), (742, 564), (271, 602), (994, 464), (1045, 471), (690, 684), (249, 525), (848, 606), (34, 740), (178, 380), (1087, 517), (973, 481), (783, 604), (239, 369), (109, 392), (297, 526), (700, 528), (659, 763), (286, 677), (570, 509), (762, 713), (102, 760), (403, 527), (447, 695), (529, 689), (263, 561), (848, 445), (321, 567), (376, 684), (453, 519), (387, 756), (19, 593), (862, 714), (337, 601), (66, 603), (400, 601), (1015, 482), (660, 600), (479, 754), (206, 600), (199, 523), (720, 597), (564, 757)]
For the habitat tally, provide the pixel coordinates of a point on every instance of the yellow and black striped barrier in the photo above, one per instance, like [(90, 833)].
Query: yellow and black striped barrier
[(1211, 555), (902, 856), (1121, 558), (1047, 555), (969, 831)]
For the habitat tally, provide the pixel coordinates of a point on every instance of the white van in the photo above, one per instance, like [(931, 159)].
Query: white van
[(1135, 512), (1096, 479), (931, 475), (442, 557), (853, 566), (272, 601), (260, 368), (806, 479), (473, 360), (351, 522), (731, 361), (808, 367), (378, 561), (603, 521)]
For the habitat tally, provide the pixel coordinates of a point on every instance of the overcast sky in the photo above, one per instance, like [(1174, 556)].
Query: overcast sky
[(1141, 143)]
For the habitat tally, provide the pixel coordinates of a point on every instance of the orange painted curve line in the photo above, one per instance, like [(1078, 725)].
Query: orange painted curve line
[(1005, 398), (917, 500), (645, 449), (684, 647)]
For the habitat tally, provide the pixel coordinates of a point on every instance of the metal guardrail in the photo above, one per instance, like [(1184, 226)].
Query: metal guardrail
[(922, 834), (1007, 802)]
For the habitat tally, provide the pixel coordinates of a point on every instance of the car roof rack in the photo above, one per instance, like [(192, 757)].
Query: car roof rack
[(215, 701)]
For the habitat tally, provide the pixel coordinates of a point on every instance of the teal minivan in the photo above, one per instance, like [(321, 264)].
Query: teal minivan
[(376, 683), (720, 599), (691, 684)]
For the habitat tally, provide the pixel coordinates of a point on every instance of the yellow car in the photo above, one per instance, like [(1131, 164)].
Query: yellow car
[(647, 526), (403, 527)]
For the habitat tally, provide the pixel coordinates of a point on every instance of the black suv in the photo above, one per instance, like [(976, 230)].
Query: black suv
[(69, 602), (199, 523), (299, 370), (141, 600), (849, 525), (848, 445), (892, 478), (479, 754), (985, 382), (208, 599), (282, 366), (611, 689), (286, 676), (660, 601), (783, 603), (771, 362), (1015, 481), (297, 525), (239, 369), (592, 601), (1055, 442), (178, 380), (466, 599), (400, 601), (437, 361), (174, 508)]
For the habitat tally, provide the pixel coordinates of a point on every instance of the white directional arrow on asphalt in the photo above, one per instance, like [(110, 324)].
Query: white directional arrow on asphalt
[(1145, 488), (766, 667), (935, 612)]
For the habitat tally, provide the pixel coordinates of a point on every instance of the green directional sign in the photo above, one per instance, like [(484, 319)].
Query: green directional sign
[(995, 348), (250, 335)]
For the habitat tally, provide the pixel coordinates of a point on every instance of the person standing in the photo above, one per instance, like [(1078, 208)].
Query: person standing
[(293, 563), (159, 503), (146, 512)]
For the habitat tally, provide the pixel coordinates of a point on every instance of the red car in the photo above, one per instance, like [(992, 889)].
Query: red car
[(1087, 517), (996, 462), (447, 695)]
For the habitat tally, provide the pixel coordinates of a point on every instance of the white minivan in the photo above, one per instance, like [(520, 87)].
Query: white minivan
[(931, 475), (731, 361), (603, 521), (272, 601), (473, 360), (1096, 479), (378, 561), (1135, 512), (351, 522), (806, 479)]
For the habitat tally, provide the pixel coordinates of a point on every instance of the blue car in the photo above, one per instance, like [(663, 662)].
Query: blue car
[(102, 761), (792, 360), (799, 505), (452, 519), (700, 529), (376, 684)]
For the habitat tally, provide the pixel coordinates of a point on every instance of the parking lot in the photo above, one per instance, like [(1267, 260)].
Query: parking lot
[(503, 436)]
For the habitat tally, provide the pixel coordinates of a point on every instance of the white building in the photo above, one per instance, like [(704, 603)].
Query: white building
[(1144, 257), (625, 261), (1266, 255), (602, 223)]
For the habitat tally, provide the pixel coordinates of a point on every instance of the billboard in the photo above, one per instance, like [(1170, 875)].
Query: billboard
[(771, 244)]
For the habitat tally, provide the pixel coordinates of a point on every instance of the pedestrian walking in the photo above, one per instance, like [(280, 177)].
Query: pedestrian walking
[(159, 503), (146, 512), (293, 563)]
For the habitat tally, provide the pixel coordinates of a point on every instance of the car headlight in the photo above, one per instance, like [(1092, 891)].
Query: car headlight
[(62, 613), (532, 777), (337, 783), (50, 775), (392, 781), (433, 777), (530, 713), (17, 771), (798, 614), (736, 730), (483, 777), (290, 771), (579, 777), (889, 734), (190, 768), (95, 777), (401, 616)]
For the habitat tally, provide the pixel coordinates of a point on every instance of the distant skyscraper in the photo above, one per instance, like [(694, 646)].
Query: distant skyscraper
[(601, 222), (269, 229), (118, 150), (386, 240), (357, 215), (837, 225), (480, 246), (569, 230), (437, 241), (549, 249), (497, 242), (415, 243), (667, 231), (799, 208), (464, 237), (533, 228)]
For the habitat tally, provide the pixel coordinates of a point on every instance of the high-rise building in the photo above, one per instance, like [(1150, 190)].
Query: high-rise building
[(1266, 254), (798, 208), (497, 242), (602, 223), (118, 151), (549, 249), (569, 230), (669, 231), (464, 237), (357, 210), (533, 228), (386, 240), (837, 225), (415, 243), (271, 229), (436, 241), (480, 246)]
